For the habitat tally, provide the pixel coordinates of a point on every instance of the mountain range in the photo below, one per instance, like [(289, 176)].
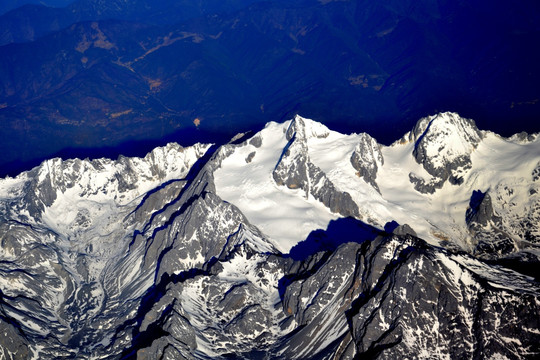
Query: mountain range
[(104, 78), (9, 5), (293, 242)]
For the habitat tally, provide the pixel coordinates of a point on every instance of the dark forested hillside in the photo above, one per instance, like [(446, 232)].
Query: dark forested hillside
[(113, 76)]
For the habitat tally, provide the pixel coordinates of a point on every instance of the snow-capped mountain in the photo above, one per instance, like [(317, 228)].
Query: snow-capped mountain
[(430, 180), (296, 242)]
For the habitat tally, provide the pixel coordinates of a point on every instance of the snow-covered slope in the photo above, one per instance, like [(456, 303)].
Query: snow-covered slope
[(425, 180), (285, 245), (245, 179)]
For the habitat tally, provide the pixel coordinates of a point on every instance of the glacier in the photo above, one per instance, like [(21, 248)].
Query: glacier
[(294, 242)]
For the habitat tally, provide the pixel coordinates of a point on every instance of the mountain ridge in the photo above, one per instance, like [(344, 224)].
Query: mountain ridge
[(154, 257)]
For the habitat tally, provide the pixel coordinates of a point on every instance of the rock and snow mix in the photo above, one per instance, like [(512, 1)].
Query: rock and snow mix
[(382, 189), (134, 258)]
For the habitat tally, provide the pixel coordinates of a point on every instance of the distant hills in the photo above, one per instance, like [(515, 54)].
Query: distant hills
[(8, 5), (109, 77)]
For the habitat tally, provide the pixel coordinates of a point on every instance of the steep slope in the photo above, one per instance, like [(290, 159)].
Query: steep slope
[(63, 224), (273, 245), (397, 296)]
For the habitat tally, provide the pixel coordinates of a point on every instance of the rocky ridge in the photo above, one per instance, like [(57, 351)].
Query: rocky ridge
[(367, 158), (295, 170)]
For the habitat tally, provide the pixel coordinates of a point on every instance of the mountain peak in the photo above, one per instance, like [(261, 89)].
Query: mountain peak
[(448, 129), (442, 145), (306, 129)]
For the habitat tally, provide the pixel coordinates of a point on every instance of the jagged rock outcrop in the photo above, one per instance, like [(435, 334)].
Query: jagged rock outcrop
[(403, 230), (65, 224), (536, 173), (523, 137), (485, 227), (393, 296), (295, 170), (119, 181), (367, 158), (13, 345), (443, 145), (408, 304)]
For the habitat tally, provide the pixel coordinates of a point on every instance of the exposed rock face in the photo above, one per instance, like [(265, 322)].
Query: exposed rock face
[(443, 145), (403, 310), (13, 344), (366, 159), (523, 137), (393, 297), (296, 171), (256, 141), (293, 166), (404, 230), (536, 173), (485, 227)]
